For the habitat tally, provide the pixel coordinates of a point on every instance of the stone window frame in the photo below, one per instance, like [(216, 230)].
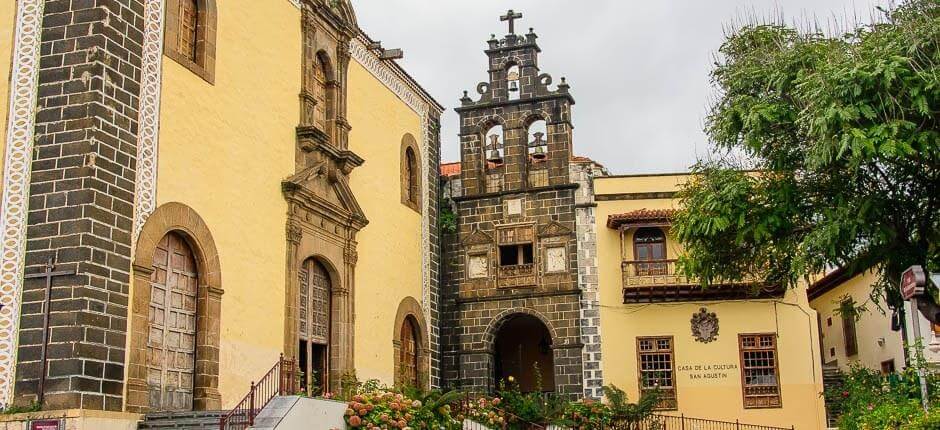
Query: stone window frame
[(409, 307), (180, 219), (408, 188), (206, 35)]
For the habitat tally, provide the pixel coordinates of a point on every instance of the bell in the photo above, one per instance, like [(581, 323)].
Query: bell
[(494, 157), (539, 153), (513, 86)]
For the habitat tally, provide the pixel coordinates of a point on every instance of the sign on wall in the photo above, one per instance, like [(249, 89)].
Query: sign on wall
[(45, 425)]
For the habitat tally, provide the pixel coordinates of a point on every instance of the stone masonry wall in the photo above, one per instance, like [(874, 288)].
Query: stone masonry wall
[(82, 201)]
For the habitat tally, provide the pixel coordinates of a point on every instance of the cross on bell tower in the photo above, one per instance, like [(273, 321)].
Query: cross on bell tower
[(511, 16)]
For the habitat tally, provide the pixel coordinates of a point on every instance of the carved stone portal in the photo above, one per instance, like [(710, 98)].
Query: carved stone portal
[(705, 326)]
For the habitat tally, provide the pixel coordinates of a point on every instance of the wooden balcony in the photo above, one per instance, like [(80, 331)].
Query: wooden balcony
[(650, 281)]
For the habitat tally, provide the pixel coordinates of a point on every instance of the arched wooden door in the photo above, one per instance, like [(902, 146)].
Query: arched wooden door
[(315, 303), (409, 353), (171, 343)]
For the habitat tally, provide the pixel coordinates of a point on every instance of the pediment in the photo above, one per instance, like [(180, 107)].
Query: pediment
[(322, 186), (554, 228), (478, 238)]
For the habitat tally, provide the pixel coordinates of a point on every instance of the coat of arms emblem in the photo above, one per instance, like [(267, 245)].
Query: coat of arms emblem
[(705, 326)]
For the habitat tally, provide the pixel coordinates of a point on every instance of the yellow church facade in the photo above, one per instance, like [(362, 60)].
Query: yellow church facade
[(724, 352), (251, 179)]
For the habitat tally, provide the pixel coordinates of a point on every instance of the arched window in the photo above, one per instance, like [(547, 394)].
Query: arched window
[(410, 173), (409, 352), (537, 151), (512, 82), (190, 35), (189, 28), (649, 249), (320, 92)]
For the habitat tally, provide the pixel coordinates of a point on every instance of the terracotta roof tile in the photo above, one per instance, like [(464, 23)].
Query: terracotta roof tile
[(640, 216), (450, 169)]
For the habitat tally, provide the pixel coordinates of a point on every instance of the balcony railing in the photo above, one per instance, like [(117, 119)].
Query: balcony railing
[(522, 275), (658, 280)]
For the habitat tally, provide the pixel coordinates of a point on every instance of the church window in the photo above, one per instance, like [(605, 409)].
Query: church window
[(649, 251), (320, 92), (760, 371), (515, 255), (848, 332), (190, 35), (410, 173), (655, 356), (189, 25)]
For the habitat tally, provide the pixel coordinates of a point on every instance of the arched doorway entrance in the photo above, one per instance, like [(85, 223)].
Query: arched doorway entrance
[(171, 342), (315, 312), (523, 350)]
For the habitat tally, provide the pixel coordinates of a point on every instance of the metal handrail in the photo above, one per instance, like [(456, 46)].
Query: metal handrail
[(279, 381), (681, 422)]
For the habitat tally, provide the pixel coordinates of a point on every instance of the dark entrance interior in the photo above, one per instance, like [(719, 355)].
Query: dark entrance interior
[(313, 368), (523, 350)]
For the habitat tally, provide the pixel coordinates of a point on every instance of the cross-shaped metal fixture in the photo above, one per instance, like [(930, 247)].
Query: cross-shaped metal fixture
[(511, 16), (48, 274)]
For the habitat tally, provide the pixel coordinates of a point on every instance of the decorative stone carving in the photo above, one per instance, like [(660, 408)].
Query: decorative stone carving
[(705, 326), (478, 266), (555, 260)]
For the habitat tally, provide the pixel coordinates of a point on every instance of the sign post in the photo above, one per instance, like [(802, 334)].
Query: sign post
[(913, 283)]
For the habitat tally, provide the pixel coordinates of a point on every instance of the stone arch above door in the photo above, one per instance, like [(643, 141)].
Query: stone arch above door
[(409, 308), (184, 221)]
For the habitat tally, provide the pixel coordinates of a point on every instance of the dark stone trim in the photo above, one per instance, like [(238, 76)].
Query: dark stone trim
[(571, 186), (585, 205), (465, 300), (635, 196), (474, 106)]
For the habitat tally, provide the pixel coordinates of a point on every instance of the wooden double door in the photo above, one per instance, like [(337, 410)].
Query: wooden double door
[(171, 342), (315, 327)]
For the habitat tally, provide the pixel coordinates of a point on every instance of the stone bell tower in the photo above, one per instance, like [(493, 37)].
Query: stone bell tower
[(512, 300)]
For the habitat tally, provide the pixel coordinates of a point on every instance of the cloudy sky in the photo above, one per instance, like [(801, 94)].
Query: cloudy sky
[(637, 69)]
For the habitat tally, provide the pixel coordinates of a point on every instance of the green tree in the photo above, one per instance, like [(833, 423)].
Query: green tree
[(828, 153)]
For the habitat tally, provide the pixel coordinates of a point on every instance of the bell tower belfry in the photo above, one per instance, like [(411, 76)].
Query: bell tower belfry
[(512, 298)]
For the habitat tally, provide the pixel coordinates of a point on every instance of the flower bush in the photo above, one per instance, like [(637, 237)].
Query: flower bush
[(869, 400), (390, 410), (586, 414)]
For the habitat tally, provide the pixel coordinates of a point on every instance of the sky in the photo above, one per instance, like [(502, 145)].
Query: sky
[(638, 70)]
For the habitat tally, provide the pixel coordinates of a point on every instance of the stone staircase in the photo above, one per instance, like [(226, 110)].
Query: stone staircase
[(832, 378), (195, 420)]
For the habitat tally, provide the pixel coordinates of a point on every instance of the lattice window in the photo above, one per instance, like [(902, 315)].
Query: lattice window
[(189, 28), (657, 371), (760, 372), (304, 302)]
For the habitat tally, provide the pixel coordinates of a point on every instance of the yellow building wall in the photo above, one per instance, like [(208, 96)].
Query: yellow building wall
[(224, 150), (7, 26), (876, 342), (714, 389), (389, 267)]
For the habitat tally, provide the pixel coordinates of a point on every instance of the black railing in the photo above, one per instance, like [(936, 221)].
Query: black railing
[(681, 422)]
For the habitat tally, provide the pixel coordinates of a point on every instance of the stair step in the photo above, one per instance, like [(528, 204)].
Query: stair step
[(186, 420)]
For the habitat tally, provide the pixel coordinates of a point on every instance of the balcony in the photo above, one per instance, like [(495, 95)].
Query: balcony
[(516, 276), (650, 281)]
